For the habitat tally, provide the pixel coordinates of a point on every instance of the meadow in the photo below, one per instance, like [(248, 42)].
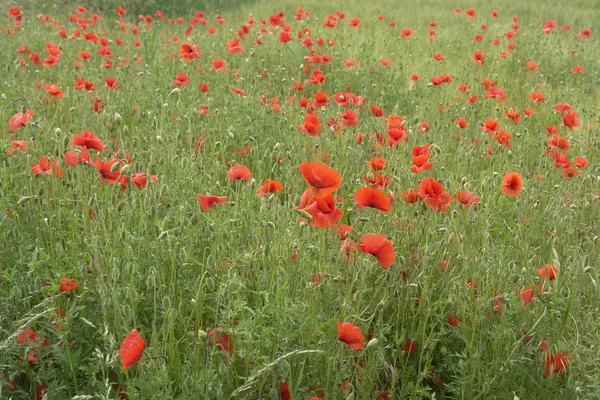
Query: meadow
[(271, 200)]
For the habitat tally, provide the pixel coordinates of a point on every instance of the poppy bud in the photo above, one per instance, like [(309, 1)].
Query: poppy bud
[(39, 284), (231, 135), (150, 282), (124, 169), (163, 190), (118, 118), (115, 167), (174, 91), (193, 302), (23, 200), (269, 224), (159, 139), (304, 214), (252, 182), (202, 335), (223, 369), (166, 302), (57, 131), (363, 219), (210, 284), (372, 343), (126, 129)]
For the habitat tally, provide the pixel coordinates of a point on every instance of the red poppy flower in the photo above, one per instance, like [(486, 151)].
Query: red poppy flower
[(53, 90), (140, 179), (323, 211), (532, 65), (239, 172), (234, 46), (105, 169), (376, 111), (27, 336), (218, 65), (548, 271), (112, 83), (238, 91), (479, 57), (369, 197), (73, 158), (132, 349), (322, 179), (570, 120), (490, 126), (89, 140), (379, 246), (269, 186), (512, 184), (377, 163), (581, 162), (351, 335), (19, 120), (556, 363), (410, 346), (312, 125), (45, 167), (67, 284), (410, 196), (421, 163), (467, 198), (208, 202), (181, 79), (222, 341), (189, 51)]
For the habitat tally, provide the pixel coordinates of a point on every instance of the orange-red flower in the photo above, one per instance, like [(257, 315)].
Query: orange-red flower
[(269, 186), (221, 340), (351, 335), (67, 284), (323, 211), (379, 246), (512, 184), (370, 197), (207, 202), (19, 120), (132, 349), (467, 198), (548, 271), (89, 140), (323, 179), (46, 166), (239, 172)]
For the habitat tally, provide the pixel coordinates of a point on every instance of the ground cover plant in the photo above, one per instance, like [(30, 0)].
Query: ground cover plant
[(276, 201)]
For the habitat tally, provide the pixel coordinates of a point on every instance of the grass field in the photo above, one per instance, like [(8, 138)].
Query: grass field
[(403, 200)]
